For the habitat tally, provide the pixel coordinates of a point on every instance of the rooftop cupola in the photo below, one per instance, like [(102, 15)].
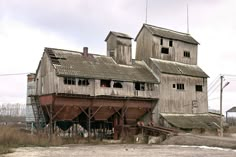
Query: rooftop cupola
[(119, 47)]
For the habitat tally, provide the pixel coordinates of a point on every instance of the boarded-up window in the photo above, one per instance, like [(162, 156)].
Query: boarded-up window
[(105, 83), (165, 50), (187, 54), (117, 84), (139, 86), (83, 82), (69, 80), (180, 86), (199, 88)]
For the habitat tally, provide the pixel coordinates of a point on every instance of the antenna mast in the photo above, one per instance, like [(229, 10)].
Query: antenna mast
[(146, 11), (187, 21)]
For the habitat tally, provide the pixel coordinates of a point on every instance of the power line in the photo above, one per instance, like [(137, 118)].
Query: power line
[(13, 74)]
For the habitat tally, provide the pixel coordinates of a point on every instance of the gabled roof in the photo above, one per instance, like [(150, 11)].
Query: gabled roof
[(176, 68), (74, 64), (118, 34), (192, 121), (169, 34), (233, 109)]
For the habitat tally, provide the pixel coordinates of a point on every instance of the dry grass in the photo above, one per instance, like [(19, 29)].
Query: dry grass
[(11, 137)]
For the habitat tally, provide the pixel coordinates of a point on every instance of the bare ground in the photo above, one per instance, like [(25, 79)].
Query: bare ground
[(126, 150), (197, 140)]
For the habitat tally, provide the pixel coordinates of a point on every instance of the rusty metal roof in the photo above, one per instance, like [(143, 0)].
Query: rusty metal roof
[(176, 68), (191, 121), (74, 64), (118, 34), (233, 109), (169, 34)]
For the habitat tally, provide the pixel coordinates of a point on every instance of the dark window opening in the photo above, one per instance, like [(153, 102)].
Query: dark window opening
[(187, 54), (164, 50), (69, 80), (199, 88), (180, 86), (139, 86), (105, 83), (170, 43), (173, 85), (83, 82), (150, 86), (161, 41), (117, 85)]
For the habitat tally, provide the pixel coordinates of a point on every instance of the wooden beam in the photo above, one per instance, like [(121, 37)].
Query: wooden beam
[(84, 111), (96, 111), (116, 111), (54, 116)]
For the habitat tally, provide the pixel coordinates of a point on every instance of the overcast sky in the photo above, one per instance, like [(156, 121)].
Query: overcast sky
[(26, 27)]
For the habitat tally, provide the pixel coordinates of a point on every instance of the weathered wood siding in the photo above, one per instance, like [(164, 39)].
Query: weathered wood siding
[(122, 49), (127, 90), (48, 82), (150, 46), (188, 100), (144, 45)]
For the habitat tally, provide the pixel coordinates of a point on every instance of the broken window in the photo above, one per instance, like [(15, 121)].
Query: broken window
[(105, 83), (199, 88), (161, 41), (170, 43), (117, 84), (150, 86), (165, 50), (187, 54), (139, 86), (83, 82), (69, 80), (180, 86)]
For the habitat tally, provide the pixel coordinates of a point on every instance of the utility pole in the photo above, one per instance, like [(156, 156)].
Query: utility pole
[(221, 97), (221, 94)]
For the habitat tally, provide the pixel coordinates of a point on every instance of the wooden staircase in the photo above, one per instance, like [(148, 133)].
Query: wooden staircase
[(40, 121)]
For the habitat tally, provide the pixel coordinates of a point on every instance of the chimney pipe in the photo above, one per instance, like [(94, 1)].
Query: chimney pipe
[(85, 51)]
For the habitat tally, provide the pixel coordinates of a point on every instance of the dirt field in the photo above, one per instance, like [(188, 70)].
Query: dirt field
[(197, 140), (116, 150)]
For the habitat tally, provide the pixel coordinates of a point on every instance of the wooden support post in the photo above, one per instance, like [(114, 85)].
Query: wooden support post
[(50, 124), (89, 123)]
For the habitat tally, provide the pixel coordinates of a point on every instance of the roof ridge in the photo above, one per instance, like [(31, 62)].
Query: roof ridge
[(167, 29), (174, 62), (62, 49)]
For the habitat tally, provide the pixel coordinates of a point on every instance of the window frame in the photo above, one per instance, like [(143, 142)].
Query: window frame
[(199, 88), (187, 54), (180, 86), (170, 43), (69, 81), (165, 50)]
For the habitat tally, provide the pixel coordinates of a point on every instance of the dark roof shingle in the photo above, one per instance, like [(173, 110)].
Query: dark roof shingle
[(170, 34), (74, 64), (170, 67), (191, 121), (118, 34)]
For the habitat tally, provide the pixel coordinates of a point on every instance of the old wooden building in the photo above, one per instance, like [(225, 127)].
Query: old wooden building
[(172, 56), (90, 89)]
